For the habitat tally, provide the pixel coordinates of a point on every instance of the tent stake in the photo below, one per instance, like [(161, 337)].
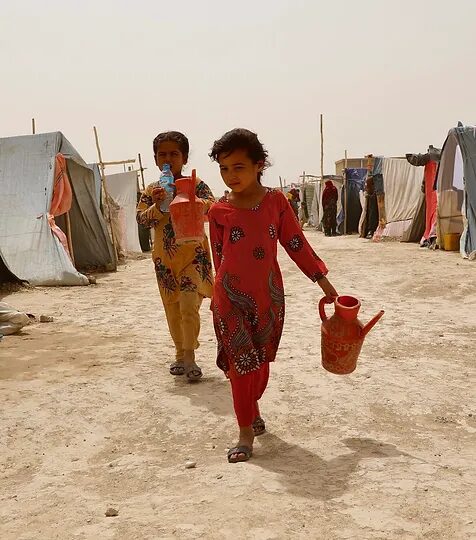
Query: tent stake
[(103, 178)]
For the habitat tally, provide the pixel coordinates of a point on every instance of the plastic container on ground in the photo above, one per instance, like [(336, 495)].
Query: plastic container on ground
[(451, 241)]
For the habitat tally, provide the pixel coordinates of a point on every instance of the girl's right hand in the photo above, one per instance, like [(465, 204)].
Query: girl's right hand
[(328, 289), (158, 194)]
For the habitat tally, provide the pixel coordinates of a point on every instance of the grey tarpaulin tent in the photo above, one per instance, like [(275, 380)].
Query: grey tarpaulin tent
[(456, 181), (28, 248)]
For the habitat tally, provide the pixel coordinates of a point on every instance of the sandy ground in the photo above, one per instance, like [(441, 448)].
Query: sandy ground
[(91, 418)]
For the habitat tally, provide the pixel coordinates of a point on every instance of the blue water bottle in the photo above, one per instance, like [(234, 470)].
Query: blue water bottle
[(166, 181)]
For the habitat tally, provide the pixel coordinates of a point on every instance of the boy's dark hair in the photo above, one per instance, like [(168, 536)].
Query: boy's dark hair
[(174, 136), (241, 139)]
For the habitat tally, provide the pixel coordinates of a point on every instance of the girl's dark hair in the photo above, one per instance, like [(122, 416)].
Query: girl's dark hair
[(241, 139), (174, 136)]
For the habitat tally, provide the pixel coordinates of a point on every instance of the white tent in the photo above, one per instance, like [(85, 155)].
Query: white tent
[(403, 196), (29, 250), (122, 188)]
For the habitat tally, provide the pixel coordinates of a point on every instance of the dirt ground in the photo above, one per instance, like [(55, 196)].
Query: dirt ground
[(91, 418)]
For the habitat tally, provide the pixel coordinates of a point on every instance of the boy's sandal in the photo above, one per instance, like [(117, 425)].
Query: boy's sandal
[(177, 368), (236, 451), (259, 426), (193, 372)]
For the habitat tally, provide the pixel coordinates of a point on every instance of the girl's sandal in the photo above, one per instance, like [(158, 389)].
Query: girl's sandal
[(259, 426), (177, 368), (193, 372), (236, 451)]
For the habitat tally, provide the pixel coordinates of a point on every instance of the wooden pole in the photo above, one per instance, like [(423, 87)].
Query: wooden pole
[(122, 162), (141, 172), (33, 127), (70, 238), (103, 178), (322, 146), (345, 192)]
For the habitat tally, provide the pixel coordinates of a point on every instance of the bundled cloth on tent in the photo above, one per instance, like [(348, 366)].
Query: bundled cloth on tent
[(423, 226), (431, 201), (351, 211), (403, 196), (456, 182), (29, 249), (122, 188)]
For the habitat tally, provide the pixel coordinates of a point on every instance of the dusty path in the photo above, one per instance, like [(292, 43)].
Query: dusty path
[(91, 418)]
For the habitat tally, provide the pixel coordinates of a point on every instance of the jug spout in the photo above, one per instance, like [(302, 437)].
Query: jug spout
[(366, 329)]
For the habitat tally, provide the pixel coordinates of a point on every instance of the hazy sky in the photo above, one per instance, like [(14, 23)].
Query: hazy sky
[(389, 76)]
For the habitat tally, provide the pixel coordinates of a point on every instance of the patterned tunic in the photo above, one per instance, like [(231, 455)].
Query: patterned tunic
[(178, 268), (248, 296)]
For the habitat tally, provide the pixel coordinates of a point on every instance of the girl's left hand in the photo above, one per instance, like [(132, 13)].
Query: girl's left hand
[(328, 289)]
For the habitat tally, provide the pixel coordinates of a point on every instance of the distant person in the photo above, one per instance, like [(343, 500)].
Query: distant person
[(294, 199), (226, 193), (371, 221), (248, 295), (330, 196), (184, 272)]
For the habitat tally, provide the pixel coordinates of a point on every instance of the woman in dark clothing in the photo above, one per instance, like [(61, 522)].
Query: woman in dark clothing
[(371, 221), (329, 203)]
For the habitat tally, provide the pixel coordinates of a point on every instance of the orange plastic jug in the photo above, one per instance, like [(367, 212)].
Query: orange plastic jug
[(342, 336), (186, 212)]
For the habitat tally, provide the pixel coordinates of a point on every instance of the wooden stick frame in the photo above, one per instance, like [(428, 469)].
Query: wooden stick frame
[(141, 171), (104, 185)]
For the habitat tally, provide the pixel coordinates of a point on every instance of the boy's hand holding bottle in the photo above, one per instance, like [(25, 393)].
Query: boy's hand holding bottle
[(158, 195)]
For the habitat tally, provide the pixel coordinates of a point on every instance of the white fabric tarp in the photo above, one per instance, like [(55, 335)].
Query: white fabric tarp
[(28, 248), (402, 186), (122, 187), (11, 320)]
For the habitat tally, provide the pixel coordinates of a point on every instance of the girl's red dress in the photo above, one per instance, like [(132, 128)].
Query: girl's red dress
[(248, 295)]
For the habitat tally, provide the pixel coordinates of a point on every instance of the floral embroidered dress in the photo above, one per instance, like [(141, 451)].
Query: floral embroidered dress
[(178, 268), (248, 296)]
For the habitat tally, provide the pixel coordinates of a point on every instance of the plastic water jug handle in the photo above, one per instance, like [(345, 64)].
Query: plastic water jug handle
[(322, 307), (193, 187)]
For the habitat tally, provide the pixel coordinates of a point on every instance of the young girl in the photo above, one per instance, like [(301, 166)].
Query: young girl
[(248, 296), (184, 272)]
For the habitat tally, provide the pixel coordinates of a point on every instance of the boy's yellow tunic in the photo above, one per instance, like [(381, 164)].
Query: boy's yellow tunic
[(186, 267), (184, 272)]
